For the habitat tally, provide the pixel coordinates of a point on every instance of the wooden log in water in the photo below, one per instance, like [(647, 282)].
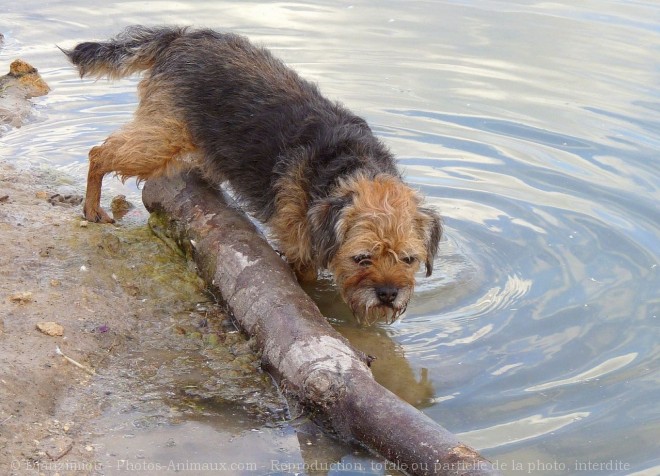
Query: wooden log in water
[(310, 361)]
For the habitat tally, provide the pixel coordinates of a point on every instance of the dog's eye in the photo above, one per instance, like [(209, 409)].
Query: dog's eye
[(409, 259), (362, 260)]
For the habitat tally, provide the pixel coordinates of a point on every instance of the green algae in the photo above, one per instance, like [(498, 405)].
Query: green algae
[(191, 357)]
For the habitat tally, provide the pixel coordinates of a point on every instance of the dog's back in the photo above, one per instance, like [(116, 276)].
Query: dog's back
[(244, 109), (253, 115)]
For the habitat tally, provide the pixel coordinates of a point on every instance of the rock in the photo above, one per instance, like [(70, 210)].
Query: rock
[(51, 328), (65, 200), (16, 88), (120, 206), (21, 298), (25, 79)]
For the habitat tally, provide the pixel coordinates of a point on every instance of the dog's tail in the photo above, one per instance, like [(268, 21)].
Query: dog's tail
[(135, 49)]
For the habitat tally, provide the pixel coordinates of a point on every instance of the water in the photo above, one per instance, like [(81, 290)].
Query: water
[(533, 127)]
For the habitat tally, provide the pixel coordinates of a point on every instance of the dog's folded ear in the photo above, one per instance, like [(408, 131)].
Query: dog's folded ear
[(326, 227), (429, 225)]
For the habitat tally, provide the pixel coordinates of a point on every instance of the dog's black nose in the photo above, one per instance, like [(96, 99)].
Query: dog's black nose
[(387, 294)]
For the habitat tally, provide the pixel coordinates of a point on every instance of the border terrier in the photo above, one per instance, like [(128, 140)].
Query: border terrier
[(307, 167)]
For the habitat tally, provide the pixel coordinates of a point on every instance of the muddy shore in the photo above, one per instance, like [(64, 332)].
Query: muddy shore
[(153, 348)]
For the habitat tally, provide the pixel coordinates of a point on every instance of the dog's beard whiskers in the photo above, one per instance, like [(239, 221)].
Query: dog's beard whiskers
[(368, 310), (363, 311), (398, 313)]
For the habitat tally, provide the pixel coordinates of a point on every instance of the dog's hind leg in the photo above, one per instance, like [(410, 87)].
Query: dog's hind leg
[(147, 147), (99, 158)]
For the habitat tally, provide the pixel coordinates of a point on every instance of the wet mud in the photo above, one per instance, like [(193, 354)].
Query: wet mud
[(148, 372)]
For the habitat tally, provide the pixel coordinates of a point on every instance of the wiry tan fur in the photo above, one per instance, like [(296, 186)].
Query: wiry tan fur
[(384, 222), (291, 226), (157, 142)]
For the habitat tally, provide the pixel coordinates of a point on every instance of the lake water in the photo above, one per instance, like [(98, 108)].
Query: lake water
[(533, 127)]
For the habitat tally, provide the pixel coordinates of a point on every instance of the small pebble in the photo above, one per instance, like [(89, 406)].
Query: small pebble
[(21, 298), (120, 206), (51, 328)]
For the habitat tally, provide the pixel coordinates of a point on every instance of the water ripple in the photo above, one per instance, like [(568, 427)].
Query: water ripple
[(533, 426), (603, 368)]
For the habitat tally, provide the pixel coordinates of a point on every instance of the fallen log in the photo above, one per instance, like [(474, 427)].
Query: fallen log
[(311, 362)]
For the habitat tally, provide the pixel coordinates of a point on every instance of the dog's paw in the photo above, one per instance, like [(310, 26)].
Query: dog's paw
[(97, 215)]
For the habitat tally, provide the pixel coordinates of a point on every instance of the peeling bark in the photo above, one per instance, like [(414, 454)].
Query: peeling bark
[(311, 362)]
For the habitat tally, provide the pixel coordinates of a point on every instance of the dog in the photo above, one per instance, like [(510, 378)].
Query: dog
[(307, 167)]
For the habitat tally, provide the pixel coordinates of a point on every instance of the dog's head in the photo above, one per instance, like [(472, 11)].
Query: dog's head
[(373, 235)]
